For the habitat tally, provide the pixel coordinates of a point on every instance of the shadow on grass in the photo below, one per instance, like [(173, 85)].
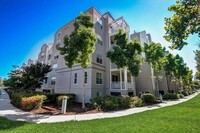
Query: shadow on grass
[(6, 124)]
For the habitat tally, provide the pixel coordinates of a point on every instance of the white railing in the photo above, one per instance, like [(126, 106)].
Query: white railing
[(117, 85)]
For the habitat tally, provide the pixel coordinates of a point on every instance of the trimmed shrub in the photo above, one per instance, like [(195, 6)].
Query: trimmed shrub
[(108, 103), (33, 102), (135, 102), (70, 99), (171, 96), (52, 98), (17, 97), (148, 98)]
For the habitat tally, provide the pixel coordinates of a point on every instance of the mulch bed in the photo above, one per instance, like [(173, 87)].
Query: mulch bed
[(71, 110)]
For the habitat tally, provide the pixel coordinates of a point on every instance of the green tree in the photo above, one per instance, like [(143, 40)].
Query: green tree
[(79, 46), (197, 58), (170, 68), (126, 54), (181, 70), (15, 80), (33, 76), (154, 55), (184, 22)]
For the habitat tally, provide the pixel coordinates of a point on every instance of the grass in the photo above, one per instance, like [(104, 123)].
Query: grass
[(184, 118)]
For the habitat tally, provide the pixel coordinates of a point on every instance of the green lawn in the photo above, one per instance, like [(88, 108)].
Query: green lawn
[(184, 118)]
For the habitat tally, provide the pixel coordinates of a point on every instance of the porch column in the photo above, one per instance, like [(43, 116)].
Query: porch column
[(120, 78), (125, 78), (110, 78)]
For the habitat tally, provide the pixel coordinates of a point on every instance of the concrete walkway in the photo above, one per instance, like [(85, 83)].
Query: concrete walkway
[(10, 112)]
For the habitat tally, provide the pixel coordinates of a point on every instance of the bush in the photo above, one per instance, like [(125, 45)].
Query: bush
[(70, 99), (53, 98), (33, 102), (148, 98), (181, 95), (108, 103), (171, 96), (17, 97), (135, 102), (184, 93)]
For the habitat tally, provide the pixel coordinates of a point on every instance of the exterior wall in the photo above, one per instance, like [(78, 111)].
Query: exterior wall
[(163, 82), (144, 81)]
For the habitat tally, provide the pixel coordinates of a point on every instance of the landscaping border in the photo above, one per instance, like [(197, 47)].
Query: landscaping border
[(10, 112)]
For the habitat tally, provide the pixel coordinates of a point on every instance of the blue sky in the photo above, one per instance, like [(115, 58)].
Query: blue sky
[(27, 24)]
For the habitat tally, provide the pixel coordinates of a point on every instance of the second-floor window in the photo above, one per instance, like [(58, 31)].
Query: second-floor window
[(99, 58), (98, 78), (75, 78)]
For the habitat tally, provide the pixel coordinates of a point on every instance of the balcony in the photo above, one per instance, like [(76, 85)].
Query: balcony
[(121, 80), (117, 86)]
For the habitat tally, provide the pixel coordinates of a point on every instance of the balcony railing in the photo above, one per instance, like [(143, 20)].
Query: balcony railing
[(117, 85)]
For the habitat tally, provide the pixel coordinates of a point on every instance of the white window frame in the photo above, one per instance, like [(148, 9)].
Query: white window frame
[(53, 79), (99, 77), (99, 39), (99, 57)]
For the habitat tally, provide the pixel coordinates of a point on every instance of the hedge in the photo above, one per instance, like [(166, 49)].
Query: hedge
[(70, 99), (108, 103), (33, 102), (148, 98), (171, 96)]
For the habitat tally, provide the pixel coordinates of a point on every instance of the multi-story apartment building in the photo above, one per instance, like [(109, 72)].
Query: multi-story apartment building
[(145, 82), (45, 56), (45, 53), (101, 76)]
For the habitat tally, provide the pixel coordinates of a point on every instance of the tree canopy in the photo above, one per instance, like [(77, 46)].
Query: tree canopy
[(29, 78), (79, 46), (154, 55), (81, 43), (184, 22), (126, 54)]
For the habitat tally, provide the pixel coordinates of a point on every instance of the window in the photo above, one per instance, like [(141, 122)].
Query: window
[(85, 78), (99, 58), (98, 78), (115, 78), (53, 80), (42, 55), (99, 25), (55, 65), (56, 56), (99, 40), (45, 80), (57, 45), (49, 57), (75, 78), (59, 34)]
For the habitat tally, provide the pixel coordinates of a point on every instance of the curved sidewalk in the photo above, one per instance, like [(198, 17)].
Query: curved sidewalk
[(10, 112)]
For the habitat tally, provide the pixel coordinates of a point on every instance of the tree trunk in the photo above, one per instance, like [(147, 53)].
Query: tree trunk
[(83, 90), (168, 84), (157, 88), (70, 80)]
